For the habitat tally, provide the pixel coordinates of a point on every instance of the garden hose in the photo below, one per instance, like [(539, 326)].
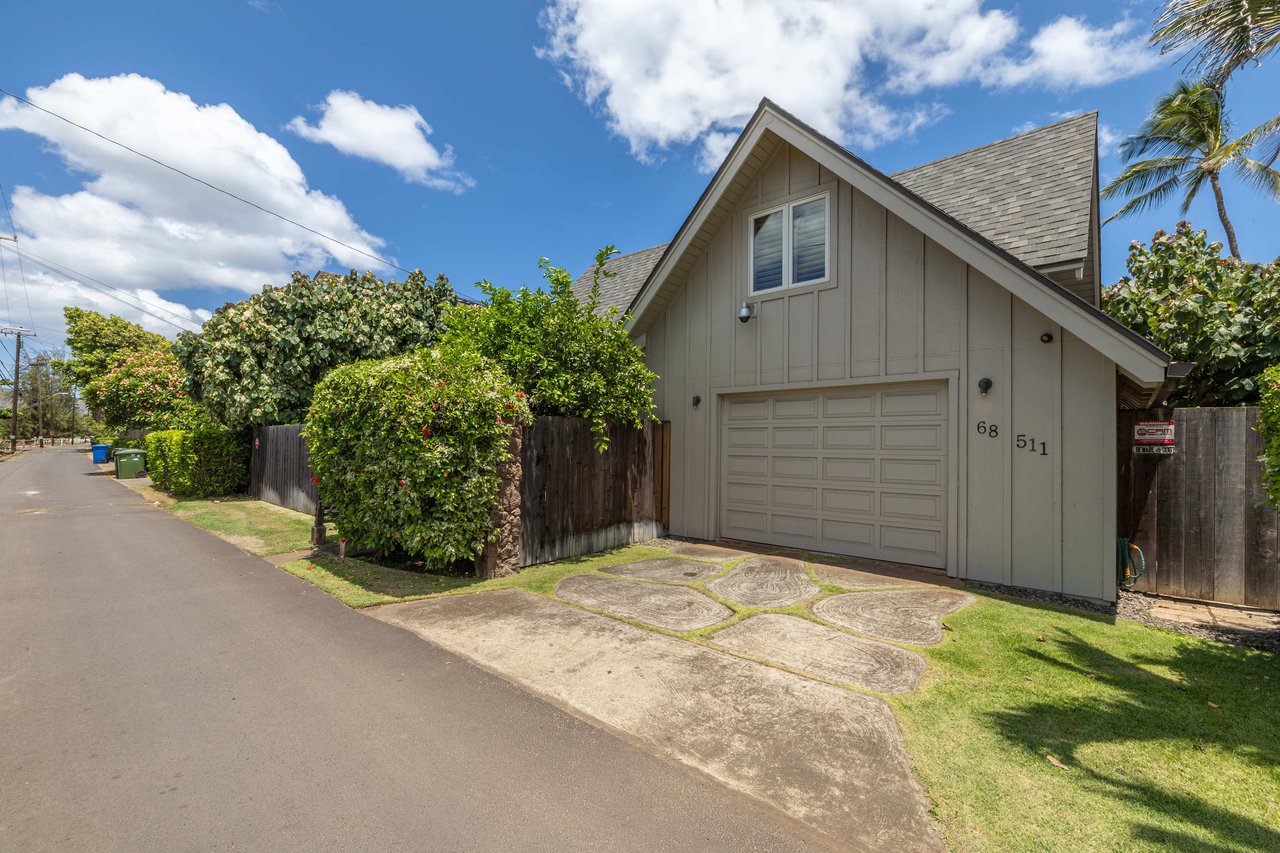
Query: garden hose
[(1128, 568)]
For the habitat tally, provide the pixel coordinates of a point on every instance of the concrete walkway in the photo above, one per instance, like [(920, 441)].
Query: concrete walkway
[(162, 690), (829, 757)]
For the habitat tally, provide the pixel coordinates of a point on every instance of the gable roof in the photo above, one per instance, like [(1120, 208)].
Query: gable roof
[(630, 270), (1030, 194), (770, 126)]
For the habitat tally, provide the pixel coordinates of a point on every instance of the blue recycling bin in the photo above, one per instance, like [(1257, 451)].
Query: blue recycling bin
[(100, 453)]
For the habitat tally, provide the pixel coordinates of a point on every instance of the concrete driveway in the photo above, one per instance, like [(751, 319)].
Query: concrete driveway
[(761, 673), (162, 690)]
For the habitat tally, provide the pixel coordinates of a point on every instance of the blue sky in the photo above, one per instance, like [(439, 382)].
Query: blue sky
[(554, 128)]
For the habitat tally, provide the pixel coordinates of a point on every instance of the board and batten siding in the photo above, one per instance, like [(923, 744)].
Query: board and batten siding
[(900, 308)]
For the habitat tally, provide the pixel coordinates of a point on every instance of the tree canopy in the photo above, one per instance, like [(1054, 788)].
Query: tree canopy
[(145, 391), (99, 343), (1198, 306), (567, 356), (257, 361), (1218, 36)]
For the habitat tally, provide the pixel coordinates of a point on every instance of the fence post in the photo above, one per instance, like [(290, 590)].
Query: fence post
[(502, 555), (317, 529)]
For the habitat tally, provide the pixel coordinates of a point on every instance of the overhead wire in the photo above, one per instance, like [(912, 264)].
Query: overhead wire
[(113, 292), (211, 186), (22, 273)]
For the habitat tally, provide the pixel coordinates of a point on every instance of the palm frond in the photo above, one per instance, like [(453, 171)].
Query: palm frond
[(1141, 176), (1259, 175), (1152, 198), (1194, 182), (1218, 36)]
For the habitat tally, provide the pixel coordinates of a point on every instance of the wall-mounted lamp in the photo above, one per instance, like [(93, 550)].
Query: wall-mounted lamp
[(1046, 338), (747, 311), (984, 385), (696, 400)]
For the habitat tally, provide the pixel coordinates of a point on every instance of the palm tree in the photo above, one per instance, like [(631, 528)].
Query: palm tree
[(1188, 135), (1218, 36)]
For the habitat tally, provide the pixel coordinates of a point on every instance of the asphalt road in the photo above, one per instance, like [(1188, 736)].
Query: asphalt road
[(162, 690)]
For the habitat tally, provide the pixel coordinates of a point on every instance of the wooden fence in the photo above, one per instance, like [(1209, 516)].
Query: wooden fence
[(576, 501), (279, 470), (1200, 515)]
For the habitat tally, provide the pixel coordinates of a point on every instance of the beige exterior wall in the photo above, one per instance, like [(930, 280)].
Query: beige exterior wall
[(900, 308)]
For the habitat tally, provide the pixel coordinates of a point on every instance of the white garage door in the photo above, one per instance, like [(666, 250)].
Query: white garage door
[(858, 471)]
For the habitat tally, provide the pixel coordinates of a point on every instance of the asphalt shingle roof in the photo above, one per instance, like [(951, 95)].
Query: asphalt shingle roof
[(1030, 194), (620, 289)]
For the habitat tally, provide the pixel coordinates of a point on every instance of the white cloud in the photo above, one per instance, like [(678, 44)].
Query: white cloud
[(141, 227), (393, 136), (1108, 139), (1067, 53), (678, 72)]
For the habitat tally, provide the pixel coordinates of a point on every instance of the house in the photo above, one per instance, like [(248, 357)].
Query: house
[(910, 368)]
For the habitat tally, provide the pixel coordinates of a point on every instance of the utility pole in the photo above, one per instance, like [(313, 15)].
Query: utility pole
[(17, 332), (39, 363)]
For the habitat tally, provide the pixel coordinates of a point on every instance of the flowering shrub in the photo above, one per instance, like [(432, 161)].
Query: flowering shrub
[(406, 449), (145, 391), (1198, 306), (571, 360), (256, 362), (208, 460)]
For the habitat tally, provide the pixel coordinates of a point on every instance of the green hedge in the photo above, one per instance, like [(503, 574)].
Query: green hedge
[(1269, 426), (406, 449), (198, 463)]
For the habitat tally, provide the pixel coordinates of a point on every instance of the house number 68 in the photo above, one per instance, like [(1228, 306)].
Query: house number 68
[(989, 430)]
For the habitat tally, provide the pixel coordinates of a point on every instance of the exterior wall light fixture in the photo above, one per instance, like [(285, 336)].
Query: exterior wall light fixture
[(1046, 338), (984, 385), (696, 400), (747, 311)]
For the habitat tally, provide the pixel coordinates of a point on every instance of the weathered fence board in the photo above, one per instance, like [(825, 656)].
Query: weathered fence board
[(280, 470), (575, 500), (1200, 515)]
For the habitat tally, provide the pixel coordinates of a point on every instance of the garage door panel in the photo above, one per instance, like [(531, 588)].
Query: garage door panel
[(918, 472), (911, 437), (793, 497), (916, 506), (848, 438), (849, 406), (747, 493), (805, 527), (847, 533), (795, 437), (744, 465), (913, 404), (796, 467), (858, 471), (849, 501), (748, 437), (796, 407)]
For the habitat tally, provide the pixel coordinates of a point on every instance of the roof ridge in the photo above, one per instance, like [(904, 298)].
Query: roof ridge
[(1032, 132)]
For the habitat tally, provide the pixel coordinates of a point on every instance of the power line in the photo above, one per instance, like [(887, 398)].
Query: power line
[(106, 290), (213, 187), (21, 271)]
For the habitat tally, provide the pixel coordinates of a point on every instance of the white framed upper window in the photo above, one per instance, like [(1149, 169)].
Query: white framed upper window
[(791, 244)]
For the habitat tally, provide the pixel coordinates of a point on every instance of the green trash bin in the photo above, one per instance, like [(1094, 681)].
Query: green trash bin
[(130, 464)]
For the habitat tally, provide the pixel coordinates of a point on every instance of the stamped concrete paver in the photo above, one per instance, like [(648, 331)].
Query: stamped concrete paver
[(672, 607), (899, 615), (829, 757), (668, 569), (707, 551), (826, 652), (766, 582)]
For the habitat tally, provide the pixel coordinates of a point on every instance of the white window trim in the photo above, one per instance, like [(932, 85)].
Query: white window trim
[(788, 259)]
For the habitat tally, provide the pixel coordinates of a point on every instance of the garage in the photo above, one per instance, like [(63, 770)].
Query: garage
[(860, 471)]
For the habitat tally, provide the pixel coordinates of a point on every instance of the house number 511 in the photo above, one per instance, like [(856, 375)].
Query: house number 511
[(1031, 445)]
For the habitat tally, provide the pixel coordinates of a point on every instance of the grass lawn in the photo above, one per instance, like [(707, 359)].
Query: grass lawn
[(1170, 742), (256, 526)]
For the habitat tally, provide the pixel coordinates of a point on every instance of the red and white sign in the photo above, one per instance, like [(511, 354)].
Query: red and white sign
[(1153, 432)]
